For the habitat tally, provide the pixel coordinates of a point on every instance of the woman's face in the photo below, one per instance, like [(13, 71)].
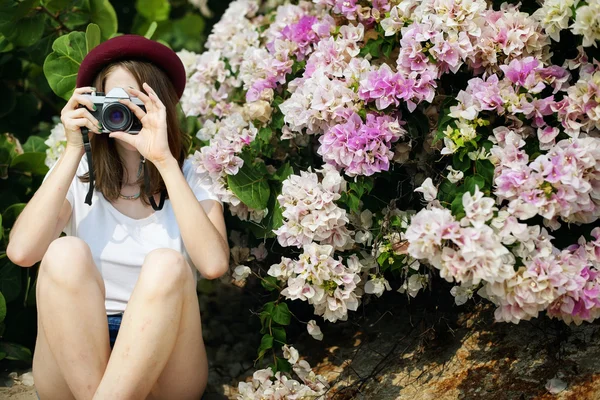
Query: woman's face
[(121, 77)]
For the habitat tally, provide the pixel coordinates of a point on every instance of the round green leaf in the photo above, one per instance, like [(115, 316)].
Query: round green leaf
[(103, 14), (153, 10), (30, 162), (92, 36), (15, 351), (27, 31), (62, 64), (2, 307), (9, 216), (10, 280), (35, 144)]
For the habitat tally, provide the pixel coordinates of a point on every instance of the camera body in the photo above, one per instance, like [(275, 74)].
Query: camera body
[(113, 115)]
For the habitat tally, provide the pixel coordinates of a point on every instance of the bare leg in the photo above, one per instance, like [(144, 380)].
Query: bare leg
[(72, 347), (160, 335)]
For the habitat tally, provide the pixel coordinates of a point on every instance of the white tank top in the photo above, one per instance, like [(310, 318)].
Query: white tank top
[(119, 243)]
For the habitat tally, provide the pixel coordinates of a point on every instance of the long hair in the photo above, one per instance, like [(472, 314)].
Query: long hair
[(108, 166)]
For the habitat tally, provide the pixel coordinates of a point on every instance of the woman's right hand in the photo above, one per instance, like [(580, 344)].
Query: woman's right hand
[(74, 117)]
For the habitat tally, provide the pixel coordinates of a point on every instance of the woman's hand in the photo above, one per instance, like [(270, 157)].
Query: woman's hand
[(74, 117), (151, 141)]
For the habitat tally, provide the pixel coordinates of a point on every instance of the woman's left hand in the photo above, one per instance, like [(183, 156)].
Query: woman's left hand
[(152, 140)]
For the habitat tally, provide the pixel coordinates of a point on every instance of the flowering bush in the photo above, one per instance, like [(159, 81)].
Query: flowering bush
[(322, 119), (382, 143)]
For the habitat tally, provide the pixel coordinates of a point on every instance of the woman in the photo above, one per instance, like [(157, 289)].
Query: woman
[(121, 260)]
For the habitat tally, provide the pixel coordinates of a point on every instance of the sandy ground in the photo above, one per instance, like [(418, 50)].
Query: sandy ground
[(18, 392)]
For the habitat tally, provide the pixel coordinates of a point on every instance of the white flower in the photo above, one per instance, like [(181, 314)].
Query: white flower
[(56, 142), (377, 286), (314, 330), (241, 272), (454, 175), (290, 354), (413, 284), (429, 191), (462, 293)]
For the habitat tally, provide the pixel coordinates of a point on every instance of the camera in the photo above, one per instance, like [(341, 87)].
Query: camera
[(113, 115)]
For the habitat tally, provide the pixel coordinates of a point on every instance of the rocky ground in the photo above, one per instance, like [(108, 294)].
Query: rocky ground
[(430, 350)]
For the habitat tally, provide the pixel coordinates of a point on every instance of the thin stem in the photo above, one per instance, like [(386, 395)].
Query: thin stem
[(54, 17)]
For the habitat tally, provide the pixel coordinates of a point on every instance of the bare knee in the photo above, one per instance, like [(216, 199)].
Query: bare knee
[(68, 262), (165, 271)]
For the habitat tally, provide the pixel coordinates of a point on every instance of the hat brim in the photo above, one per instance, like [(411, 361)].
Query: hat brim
[(132, 47)]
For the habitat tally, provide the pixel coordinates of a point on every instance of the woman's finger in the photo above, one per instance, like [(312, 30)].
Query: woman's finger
[(77, 99), (143, 97), (153, 96), (139, 113), (125, 137), (75, 123), (84, 89), (83, 112)]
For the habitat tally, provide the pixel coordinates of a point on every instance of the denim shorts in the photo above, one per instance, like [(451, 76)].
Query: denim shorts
[(114, 323)]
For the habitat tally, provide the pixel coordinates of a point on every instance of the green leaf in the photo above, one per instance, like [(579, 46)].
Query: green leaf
[(2, 355), (265, 134), (458, 209), (460, 163), (56, 5), (269, 283), (475, 180), (37, 52), (283, 172), (250, 187), (353, 202), (76, 14), (283, 365), (19, 24), (92, 37), (5, 45), (8, 100), (266, 343), (30, 162), (61, 66), (1, 228), (486, 169), (11, 213), (15, 352), (3, 308), (103, 14), (279, 334), (281, 314), (35, 144), (153, 10), (151, 30), (10, 280)]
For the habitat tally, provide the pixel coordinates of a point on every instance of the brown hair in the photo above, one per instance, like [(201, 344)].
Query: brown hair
[(108, 167)]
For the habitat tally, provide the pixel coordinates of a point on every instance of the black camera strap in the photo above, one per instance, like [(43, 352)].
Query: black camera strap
[(88, 153), (163, 193)]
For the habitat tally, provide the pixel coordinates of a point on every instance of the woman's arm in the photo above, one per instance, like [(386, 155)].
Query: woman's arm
[(45, 216), (201, 223), (202, 226)]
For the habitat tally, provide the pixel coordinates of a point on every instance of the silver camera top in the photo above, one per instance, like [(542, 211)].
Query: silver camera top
[(117, 93)]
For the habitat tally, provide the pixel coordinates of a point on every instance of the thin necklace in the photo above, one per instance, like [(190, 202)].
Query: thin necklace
[(134, 196)]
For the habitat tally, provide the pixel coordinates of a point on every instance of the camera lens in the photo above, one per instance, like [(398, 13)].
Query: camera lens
[(116, 117)]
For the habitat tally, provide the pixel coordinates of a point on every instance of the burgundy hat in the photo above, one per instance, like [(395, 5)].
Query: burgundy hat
[(132, 47)]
